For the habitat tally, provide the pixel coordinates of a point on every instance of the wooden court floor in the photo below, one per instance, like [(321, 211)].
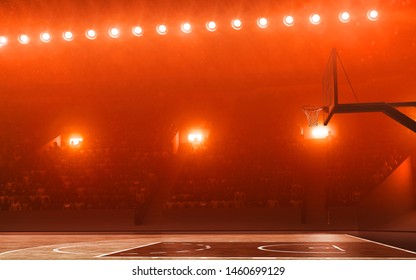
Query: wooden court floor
[(221, 246)]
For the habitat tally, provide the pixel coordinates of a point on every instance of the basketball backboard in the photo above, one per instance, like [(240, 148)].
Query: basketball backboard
[(335, 83), (330, 87)]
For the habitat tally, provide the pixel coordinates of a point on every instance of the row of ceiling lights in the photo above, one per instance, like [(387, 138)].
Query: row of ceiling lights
[(186, 27)]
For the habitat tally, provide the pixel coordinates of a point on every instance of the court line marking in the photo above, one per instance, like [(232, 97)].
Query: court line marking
[(382, 244), (336, 247), (88, 244), (23, 249), (265, 248), (38, 247), (206, 247), (58, 250), (119, 251), (52, 246)]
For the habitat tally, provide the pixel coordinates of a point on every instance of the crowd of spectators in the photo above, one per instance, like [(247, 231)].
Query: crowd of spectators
[(356, 166), (243, 170), (95, 174)]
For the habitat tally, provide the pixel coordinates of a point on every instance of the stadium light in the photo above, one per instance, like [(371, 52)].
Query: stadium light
[(137, 31), (344, 17), (262, 22), (3, 41), (75, 141), (186, 27), (114, 32), (288, 20), (195, 137), (23, 39), (320, 132), (236, 24), (315, 19), (211, 26), (162, 29), (373, 15), (91, 34), (45, 37), (68, 36)]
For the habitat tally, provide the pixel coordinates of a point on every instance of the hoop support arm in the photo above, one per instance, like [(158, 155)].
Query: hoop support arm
[(386, 108)]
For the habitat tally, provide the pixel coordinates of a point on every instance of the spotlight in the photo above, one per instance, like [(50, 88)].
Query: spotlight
[(68, 36), (114, 32), (91, 34), (262, 22), (162, 29), (45, 37), (75, 141), (288, 20), (211, 26), (344, 17), (3, 41), (315, 19), (236, 24), (23, 39), (186, 27), (320, 132), (137, 31), (373, 15), (195, 137)]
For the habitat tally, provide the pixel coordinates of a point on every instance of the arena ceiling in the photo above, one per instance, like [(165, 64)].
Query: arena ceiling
[(378, 56)]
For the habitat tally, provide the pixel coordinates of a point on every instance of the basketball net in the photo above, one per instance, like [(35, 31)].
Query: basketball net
[(312, 113)]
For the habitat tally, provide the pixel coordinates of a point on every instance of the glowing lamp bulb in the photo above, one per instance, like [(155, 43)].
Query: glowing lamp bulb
[(320, 132), (236, 24), (3, 41), (262, 22), (186, 27), (91, 34), (162, 29), (68, 36), (315, 19), (45, 37), (373, 15), (24, 39), (195, 137), (288, 21), (75, 141), (211, 26), (344, 17), (114, 32), (137, 31)]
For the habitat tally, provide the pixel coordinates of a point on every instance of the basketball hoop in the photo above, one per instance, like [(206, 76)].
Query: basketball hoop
[(312, 113)]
